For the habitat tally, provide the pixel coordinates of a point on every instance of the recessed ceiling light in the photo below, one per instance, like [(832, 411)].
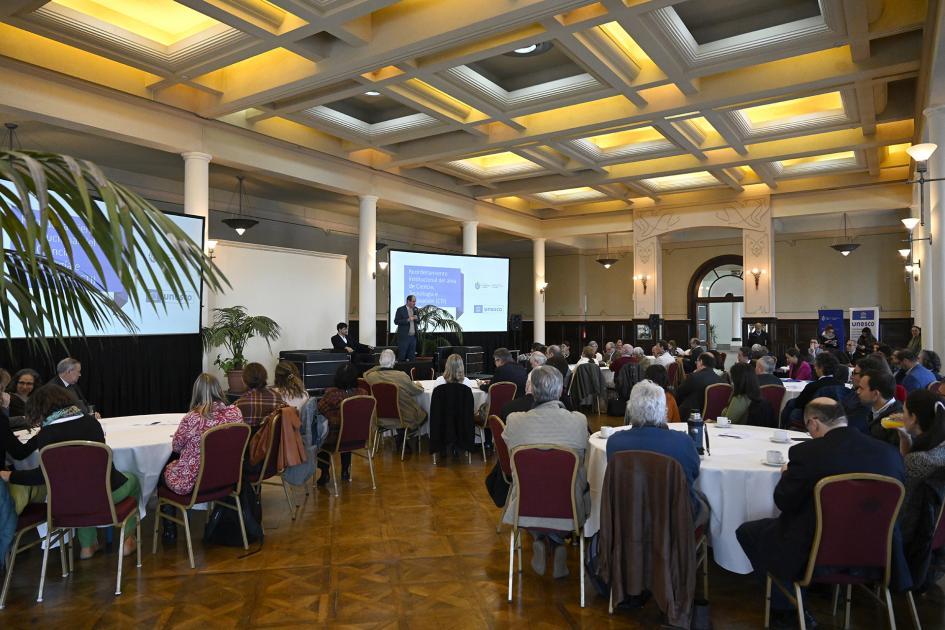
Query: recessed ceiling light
[(530, 50), (526, 49), (372, 93)]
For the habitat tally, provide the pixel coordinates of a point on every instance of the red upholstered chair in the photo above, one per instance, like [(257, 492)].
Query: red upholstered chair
[(901, 393), (363, 384), (421, 374), (270, 466), (856, 514), (672, 374), (935, 387), (544, 475), (774, 394), (717, 396), (354, 435), (500, 394), (32, 517), (79, 494), (219, 476), (495, 424), (388, 414)]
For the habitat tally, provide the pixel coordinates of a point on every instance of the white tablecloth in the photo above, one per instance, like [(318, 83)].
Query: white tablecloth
[(793, 390), (140, 446), (737, 486), (423, 399)]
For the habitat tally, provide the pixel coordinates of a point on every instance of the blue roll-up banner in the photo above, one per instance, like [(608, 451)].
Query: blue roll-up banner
[(833, 317)]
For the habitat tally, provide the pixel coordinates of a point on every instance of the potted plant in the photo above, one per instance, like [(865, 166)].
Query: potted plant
[(231, 327), (711, 340), (432, 318)]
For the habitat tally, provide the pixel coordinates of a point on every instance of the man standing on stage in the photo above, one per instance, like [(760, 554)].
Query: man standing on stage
[(406, 318)]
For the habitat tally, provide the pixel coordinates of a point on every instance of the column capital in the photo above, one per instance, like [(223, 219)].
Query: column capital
[(196, 155), (470, 223), (934, 110), (539, 239), (368, 198)]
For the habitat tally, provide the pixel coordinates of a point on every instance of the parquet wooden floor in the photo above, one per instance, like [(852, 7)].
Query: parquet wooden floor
[(420, 552)]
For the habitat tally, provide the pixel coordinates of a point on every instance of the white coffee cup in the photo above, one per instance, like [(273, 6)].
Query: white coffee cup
[(780, 435), (722, 421), (774, 457), (606, 432)]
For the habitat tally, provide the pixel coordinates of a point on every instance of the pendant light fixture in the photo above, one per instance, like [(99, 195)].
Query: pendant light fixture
[(846, 244), (606, 261), (239, 222)]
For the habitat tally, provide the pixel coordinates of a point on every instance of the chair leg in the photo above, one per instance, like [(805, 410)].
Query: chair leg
[(190, 544), (370, 463), (767, 601), (239, 514), (836, 599), (889, 609), (157, 527), (403, 449), (72, 540), (482, 443), (331, 470), (9, 574), (42, 574), (511, 559), (846, 617), (518, 547), (610, 603), (121, 557), (62, 553), (581, 574), (909, 598), (800, 607), (138, 541), (288, 498)]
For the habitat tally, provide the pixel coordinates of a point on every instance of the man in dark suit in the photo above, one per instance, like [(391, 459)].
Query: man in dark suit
[(343, 343), (764, 368), (405, 318), (758, 335), (691, 394), (68, 372), (877, 390), (825, 367), (781, 545), (556, 359), (508, 370)]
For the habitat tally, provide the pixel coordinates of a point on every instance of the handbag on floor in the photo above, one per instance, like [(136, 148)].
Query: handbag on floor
[(497, 486), (223, 524)]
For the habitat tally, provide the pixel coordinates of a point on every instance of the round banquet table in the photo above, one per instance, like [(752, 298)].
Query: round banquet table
[(426, 396), (793, 389), (735, 482), (140, 446)]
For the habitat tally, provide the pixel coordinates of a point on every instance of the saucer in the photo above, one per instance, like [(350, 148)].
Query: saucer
[(787, 441), (767, 463)]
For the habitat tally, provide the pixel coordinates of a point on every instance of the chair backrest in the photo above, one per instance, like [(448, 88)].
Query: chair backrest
[(938, 537), (497, 427), (222, 449), (422, 373), (935, 387), (363, 384), (901, 393), (357, 412), (856, 515), (78, 483), (717, 396), (594, 377), (774, 394), (672, 373), (388, 400), (501, 394), (544, 475), (270, 464)]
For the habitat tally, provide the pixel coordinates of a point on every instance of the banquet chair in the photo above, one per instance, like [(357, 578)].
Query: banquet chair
[(901, 393), (32, 517), (83, 500), (421, 374), (363, 384), (500, 394), (270, 466), (219, 476), (856, 514), (452, 424), (544, 475), (717, 397), (388, 415), (587, 374), (774, 394), (497, 427), (672, 374), (354, 434), (935, 387)]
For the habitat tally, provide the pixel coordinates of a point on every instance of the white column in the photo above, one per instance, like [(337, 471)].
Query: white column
[(367, 271), (197, 203), (933, 270), (470, 237), (538, 289)]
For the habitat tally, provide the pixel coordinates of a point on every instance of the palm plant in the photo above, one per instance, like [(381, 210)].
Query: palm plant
[(432, 318), (49, 219), (231, 328)]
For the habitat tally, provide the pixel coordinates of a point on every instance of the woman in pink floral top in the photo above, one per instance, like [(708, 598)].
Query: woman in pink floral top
[(208, 409)]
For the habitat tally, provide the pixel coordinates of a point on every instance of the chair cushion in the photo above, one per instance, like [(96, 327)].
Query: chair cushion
[(126, 507), (33, 515)]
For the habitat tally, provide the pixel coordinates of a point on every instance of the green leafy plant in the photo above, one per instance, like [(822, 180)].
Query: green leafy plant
[(433, 318), (231, 327), (124, 234)]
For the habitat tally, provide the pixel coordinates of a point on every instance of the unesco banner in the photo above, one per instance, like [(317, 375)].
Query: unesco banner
[(864, 317)]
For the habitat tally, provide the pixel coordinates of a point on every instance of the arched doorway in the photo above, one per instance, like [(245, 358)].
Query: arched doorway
[(716, 301)]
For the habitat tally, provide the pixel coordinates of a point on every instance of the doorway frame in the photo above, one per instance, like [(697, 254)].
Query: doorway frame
[(692, 295)]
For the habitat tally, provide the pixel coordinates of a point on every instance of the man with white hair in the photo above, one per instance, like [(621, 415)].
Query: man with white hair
[(597, 355), (537, 359), (609, 350), (411, 412), (626, 352), (646, 412), (764, 368), (661, 355)]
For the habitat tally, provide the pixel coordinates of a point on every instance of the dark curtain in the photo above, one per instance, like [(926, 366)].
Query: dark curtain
[(122, 376)]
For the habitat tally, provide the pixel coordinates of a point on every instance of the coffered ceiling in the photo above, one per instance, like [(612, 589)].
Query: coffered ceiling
[(607, 105)]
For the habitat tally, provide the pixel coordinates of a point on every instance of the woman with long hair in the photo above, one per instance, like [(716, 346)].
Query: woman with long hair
[(747, 406), (798, 368), (454, 371), (20, 390), (288, 384)]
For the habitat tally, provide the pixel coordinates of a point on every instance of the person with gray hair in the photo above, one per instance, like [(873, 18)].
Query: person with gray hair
[(68, 372), (646, 413), (548, 422), (411, 412), (764, 368), (537, 359)]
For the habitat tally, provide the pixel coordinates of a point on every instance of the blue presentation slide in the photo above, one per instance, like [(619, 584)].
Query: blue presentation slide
[(473, 289), (180, 313)]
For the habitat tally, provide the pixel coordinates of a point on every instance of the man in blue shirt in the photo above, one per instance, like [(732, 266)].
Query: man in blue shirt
[(646, 412), (917, 376)]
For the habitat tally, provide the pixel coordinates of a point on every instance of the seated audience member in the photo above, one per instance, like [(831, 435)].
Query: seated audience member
[(587, 356), (743, 356), (208, 409), (814, 349), (915, 341), (719, 364), (288, 385), (536, 359), (886, 350), (507, 370), (5, 380), (877, 390), (691, 394), (781, 545), (626, 356), (758, 335), (798, 369), (344, 386), (20, 389), (548, 422), (657, 374), (68, 372), (857, 412), (259, 401), (916, 376), (523, 403), (637, 355), (673, 348), (854, 352), (747, 406), (341, 342), (929, 358), (695, 349), (866, 340), (764, 370), (609, 350), (646, 412), (829, 339), (758, 351), (661, 355), (454, 371), (826, 385), (57, 411), (566, 351), (411, 412), (597, 355), (556, 359), (538, 347)]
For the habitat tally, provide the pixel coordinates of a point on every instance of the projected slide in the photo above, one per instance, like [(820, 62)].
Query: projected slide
[(182, 314), (474, 289)]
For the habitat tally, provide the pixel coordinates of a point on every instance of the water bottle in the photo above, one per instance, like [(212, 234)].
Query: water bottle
[(696, 430)]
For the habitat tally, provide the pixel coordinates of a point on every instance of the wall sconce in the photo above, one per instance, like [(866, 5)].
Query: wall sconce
[(756, 273), (643, 280), (541, 289), (382, 264), (211, 247), (905, 252), (912, 269)]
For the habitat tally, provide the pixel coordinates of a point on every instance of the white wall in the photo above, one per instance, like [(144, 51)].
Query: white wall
[(303, 291)]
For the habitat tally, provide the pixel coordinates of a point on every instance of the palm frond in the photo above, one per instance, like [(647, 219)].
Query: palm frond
[(232, 327)]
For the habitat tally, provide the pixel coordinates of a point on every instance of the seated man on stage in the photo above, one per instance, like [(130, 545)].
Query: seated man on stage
[(341, 342)]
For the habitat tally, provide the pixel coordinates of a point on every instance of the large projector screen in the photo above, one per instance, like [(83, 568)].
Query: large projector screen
[(474, 289), (180, 317)]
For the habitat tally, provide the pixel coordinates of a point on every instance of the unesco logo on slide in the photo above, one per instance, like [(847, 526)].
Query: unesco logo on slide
[(480, 285)]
